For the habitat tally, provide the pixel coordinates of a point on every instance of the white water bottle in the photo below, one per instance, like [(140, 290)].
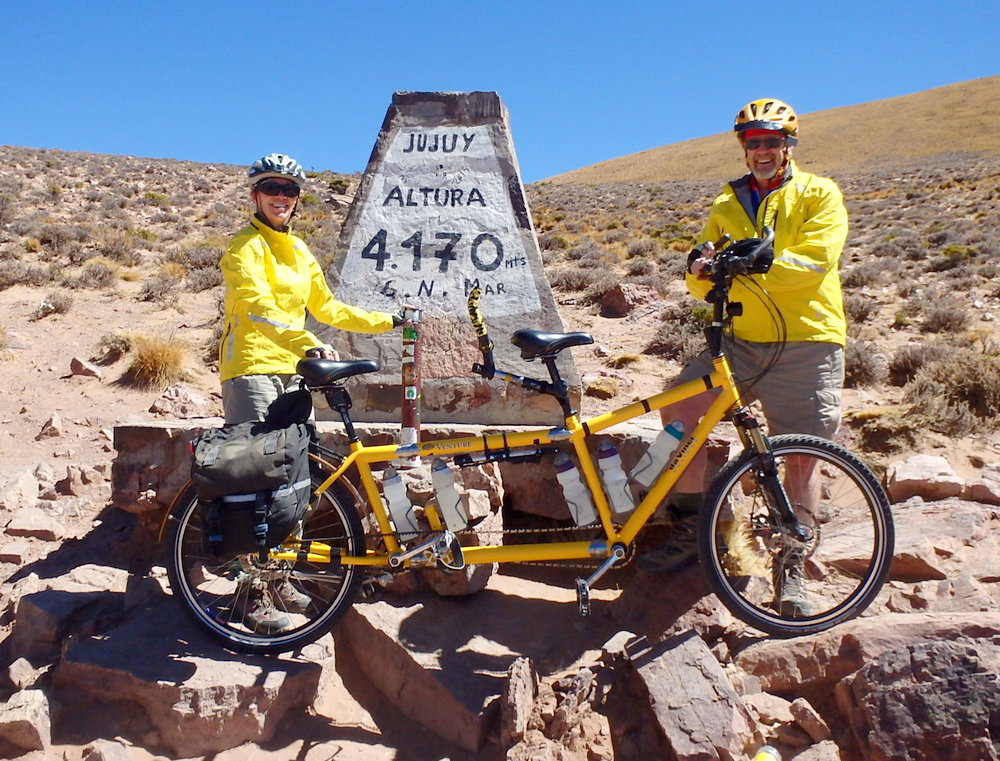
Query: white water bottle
[(655, 458), (581, 507), (400, 509), (615, 480), (449, 501)]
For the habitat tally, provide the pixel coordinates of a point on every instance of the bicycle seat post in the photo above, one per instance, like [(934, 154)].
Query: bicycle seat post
[(340, 402), (558, 387)]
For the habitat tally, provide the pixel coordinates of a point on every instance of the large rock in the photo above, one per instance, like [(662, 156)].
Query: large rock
[(25, 720), (19, 491), (819, 661), (922, 475), (696, 708), (927, 701), (199, 702)]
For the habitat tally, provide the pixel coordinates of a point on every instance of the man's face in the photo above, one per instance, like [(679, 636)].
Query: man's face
[(765, 155)]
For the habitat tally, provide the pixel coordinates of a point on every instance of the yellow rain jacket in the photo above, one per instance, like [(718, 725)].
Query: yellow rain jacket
[(271, 280), (809, 221)]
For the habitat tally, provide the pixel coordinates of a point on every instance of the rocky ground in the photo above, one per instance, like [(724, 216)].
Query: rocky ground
[(71, 580)]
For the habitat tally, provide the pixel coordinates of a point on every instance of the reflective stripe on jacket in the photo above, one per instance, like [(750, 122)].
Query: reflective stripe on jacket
[(271, 279), (809, 220)]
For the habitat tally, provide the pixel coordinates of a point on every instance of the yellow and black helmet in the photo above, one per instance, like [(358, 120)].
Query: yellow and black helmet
[(768, 114)]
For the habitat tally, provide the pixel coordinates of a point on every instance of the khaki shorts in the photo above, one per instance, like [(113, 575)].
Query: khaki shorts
[(247, 397), (800, 394)]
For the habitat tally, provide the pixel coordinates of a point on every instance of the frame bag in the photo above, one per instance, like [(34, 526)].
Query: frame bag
[(253, 482)]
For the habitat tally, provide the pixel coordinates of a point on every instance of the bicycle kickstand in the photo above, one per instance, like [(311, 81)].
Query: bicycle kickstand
[(583, 585)]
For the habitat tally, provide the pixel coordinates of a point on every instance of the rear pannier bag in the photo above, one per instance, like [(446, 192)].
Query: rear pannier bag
[(253, 482)]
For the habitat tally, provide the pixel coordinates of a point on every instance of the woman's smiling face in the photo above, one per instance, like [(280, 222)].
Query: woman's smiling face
[(277, 209)]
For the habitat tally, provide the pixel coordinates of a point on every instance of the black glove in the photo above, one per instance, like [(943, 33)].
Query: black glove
[(741, 259)]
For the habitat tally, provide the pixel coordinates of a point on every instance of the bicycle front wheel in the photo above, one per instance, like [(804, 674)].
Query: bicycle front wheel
[(270, 606), (789, 584)]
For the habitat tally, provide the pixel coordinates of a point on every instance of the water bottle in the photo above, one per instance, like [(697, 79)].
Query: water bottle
[(655, 458), (767, 753), (615, 480), (400, 509), (581, 507), (449, 501)]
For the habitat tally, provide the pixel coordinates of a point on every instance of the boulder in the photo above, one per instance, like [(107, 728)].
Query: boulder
[(25, 720), (922, 475)]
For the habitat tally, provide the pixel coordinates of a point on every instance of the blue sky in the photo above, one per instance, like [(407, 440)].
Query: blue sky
[(583, 81)]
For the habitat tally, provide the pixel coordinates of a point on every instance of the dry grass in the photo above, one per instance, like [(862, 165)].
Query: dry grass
[(156, 362)]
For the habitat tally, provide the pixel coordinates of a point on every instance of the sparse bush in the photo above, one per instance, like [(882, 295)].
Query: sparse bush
[(158, 287), (641, 248), (203, 279), (680, 335), (861, 364), (98, 272), (119, 248), (949, 315), (156, 362), (571, 279), (55, 302), (552, 242), (858, 307), (624, 360), (864, 274), (112, 347), (597, 289)]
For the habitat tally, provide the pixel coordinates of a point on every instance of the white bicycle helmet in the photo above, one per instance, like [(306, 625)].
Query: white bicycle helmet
[(276, 165)]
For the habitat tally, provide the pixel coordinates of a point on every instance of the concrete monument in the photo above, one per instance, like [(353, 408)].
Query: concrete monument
[(440, 210)]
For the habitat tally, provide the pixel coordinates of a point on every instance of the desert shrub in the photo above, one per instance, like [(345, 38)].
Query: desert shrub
[(98, 272), (636, 267), (571, 278), (622, 361), (7, 209), (598, 288), (907, 361), (866, 273), (21, 273), (118, 248), (957, 394), (158, 287), (156, 362), (948, 315), (587, 251), (858, 307), (55, 302), (641, 248), (339, 185), (112, 347), (861, 364), (552, 242), (203, 279), (680, 335)]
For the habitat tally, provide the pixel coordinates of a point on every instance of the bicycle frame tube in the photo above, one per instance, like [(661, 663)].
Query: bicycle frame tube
[(575, 432)]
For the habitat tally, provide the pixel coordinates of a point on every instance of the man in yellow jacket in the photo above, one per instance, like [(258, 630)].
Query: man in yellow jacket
[(271, 280), (788, 344)]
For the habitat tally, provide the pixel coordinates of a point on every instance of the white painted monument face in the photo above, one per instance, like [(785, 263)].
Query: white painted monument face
[(440, 210)]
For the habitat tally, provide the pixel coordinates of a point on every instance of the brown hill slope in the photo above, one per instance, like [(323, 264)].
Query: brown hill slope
[(956, 118)]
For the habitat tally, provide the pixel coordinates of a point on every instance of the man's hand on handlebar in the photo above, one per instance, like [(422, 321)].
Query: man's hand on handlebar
[(700, 260)]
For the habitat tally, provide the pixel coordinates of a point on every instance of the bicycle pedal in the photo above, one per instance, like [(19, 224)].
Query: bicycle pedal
[(583, 597)]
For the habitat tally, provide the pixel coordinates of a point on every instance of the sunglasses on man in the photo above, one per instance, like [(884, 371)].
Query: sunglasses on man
[(753, 143), (288, 190)]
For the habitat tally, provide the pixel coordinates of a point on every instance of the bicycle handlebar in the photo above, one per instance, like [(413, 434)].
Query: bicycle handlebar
[(744, 257)]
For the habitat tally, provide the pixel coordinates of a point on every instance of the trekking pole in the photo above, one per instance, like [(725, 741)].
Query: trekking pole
[(409, 431)]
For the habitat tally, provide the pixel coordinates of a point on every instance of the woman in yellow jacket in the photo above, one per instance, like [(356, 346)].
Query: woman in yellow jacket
[(271, 280), (800, 320)]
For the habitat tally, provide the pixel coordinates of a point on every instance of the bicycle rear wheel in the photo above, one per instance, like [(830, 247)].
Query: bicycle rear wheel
[(215, 589), (786, 585)]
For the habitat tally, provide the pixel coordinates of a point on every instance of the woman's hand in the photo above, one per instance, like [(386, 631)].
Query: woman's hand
[(322, 352)]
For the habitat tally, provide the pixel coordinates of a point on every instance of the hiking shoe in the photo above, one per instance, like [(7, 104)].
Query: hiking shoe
[(255, 608), (677, 551), (790, 593), (290, 598)]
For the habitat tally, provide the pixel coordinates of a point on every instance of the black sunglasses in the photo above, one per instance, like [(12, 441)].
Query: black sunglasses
[(278, 189), (754, 143)]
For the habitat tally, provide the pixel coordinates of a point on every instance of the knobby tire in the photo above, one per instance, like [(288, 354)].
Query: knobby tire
[(750, 558)]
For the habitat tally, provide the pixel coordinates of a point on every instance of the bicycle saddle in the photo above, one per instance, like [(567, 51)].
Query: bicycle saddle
[(324, 372), (534, 343)]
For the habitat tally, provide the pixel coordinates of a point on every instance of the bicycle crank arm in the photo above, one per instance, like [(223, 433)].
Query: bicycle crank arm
[(583, 585), (443, 546)]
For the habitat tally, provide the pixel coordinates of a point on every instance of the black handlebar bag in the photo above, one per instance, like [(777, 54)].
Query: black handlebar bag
[(253, 482)]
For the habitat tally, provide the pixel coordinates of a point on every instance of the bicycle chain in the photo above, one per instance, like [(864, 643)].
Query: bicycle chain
[(569, 530)]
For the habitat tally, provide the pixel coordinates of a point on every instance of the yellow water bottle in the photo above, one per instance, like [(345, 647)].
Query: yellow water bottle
[(767, 753)]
